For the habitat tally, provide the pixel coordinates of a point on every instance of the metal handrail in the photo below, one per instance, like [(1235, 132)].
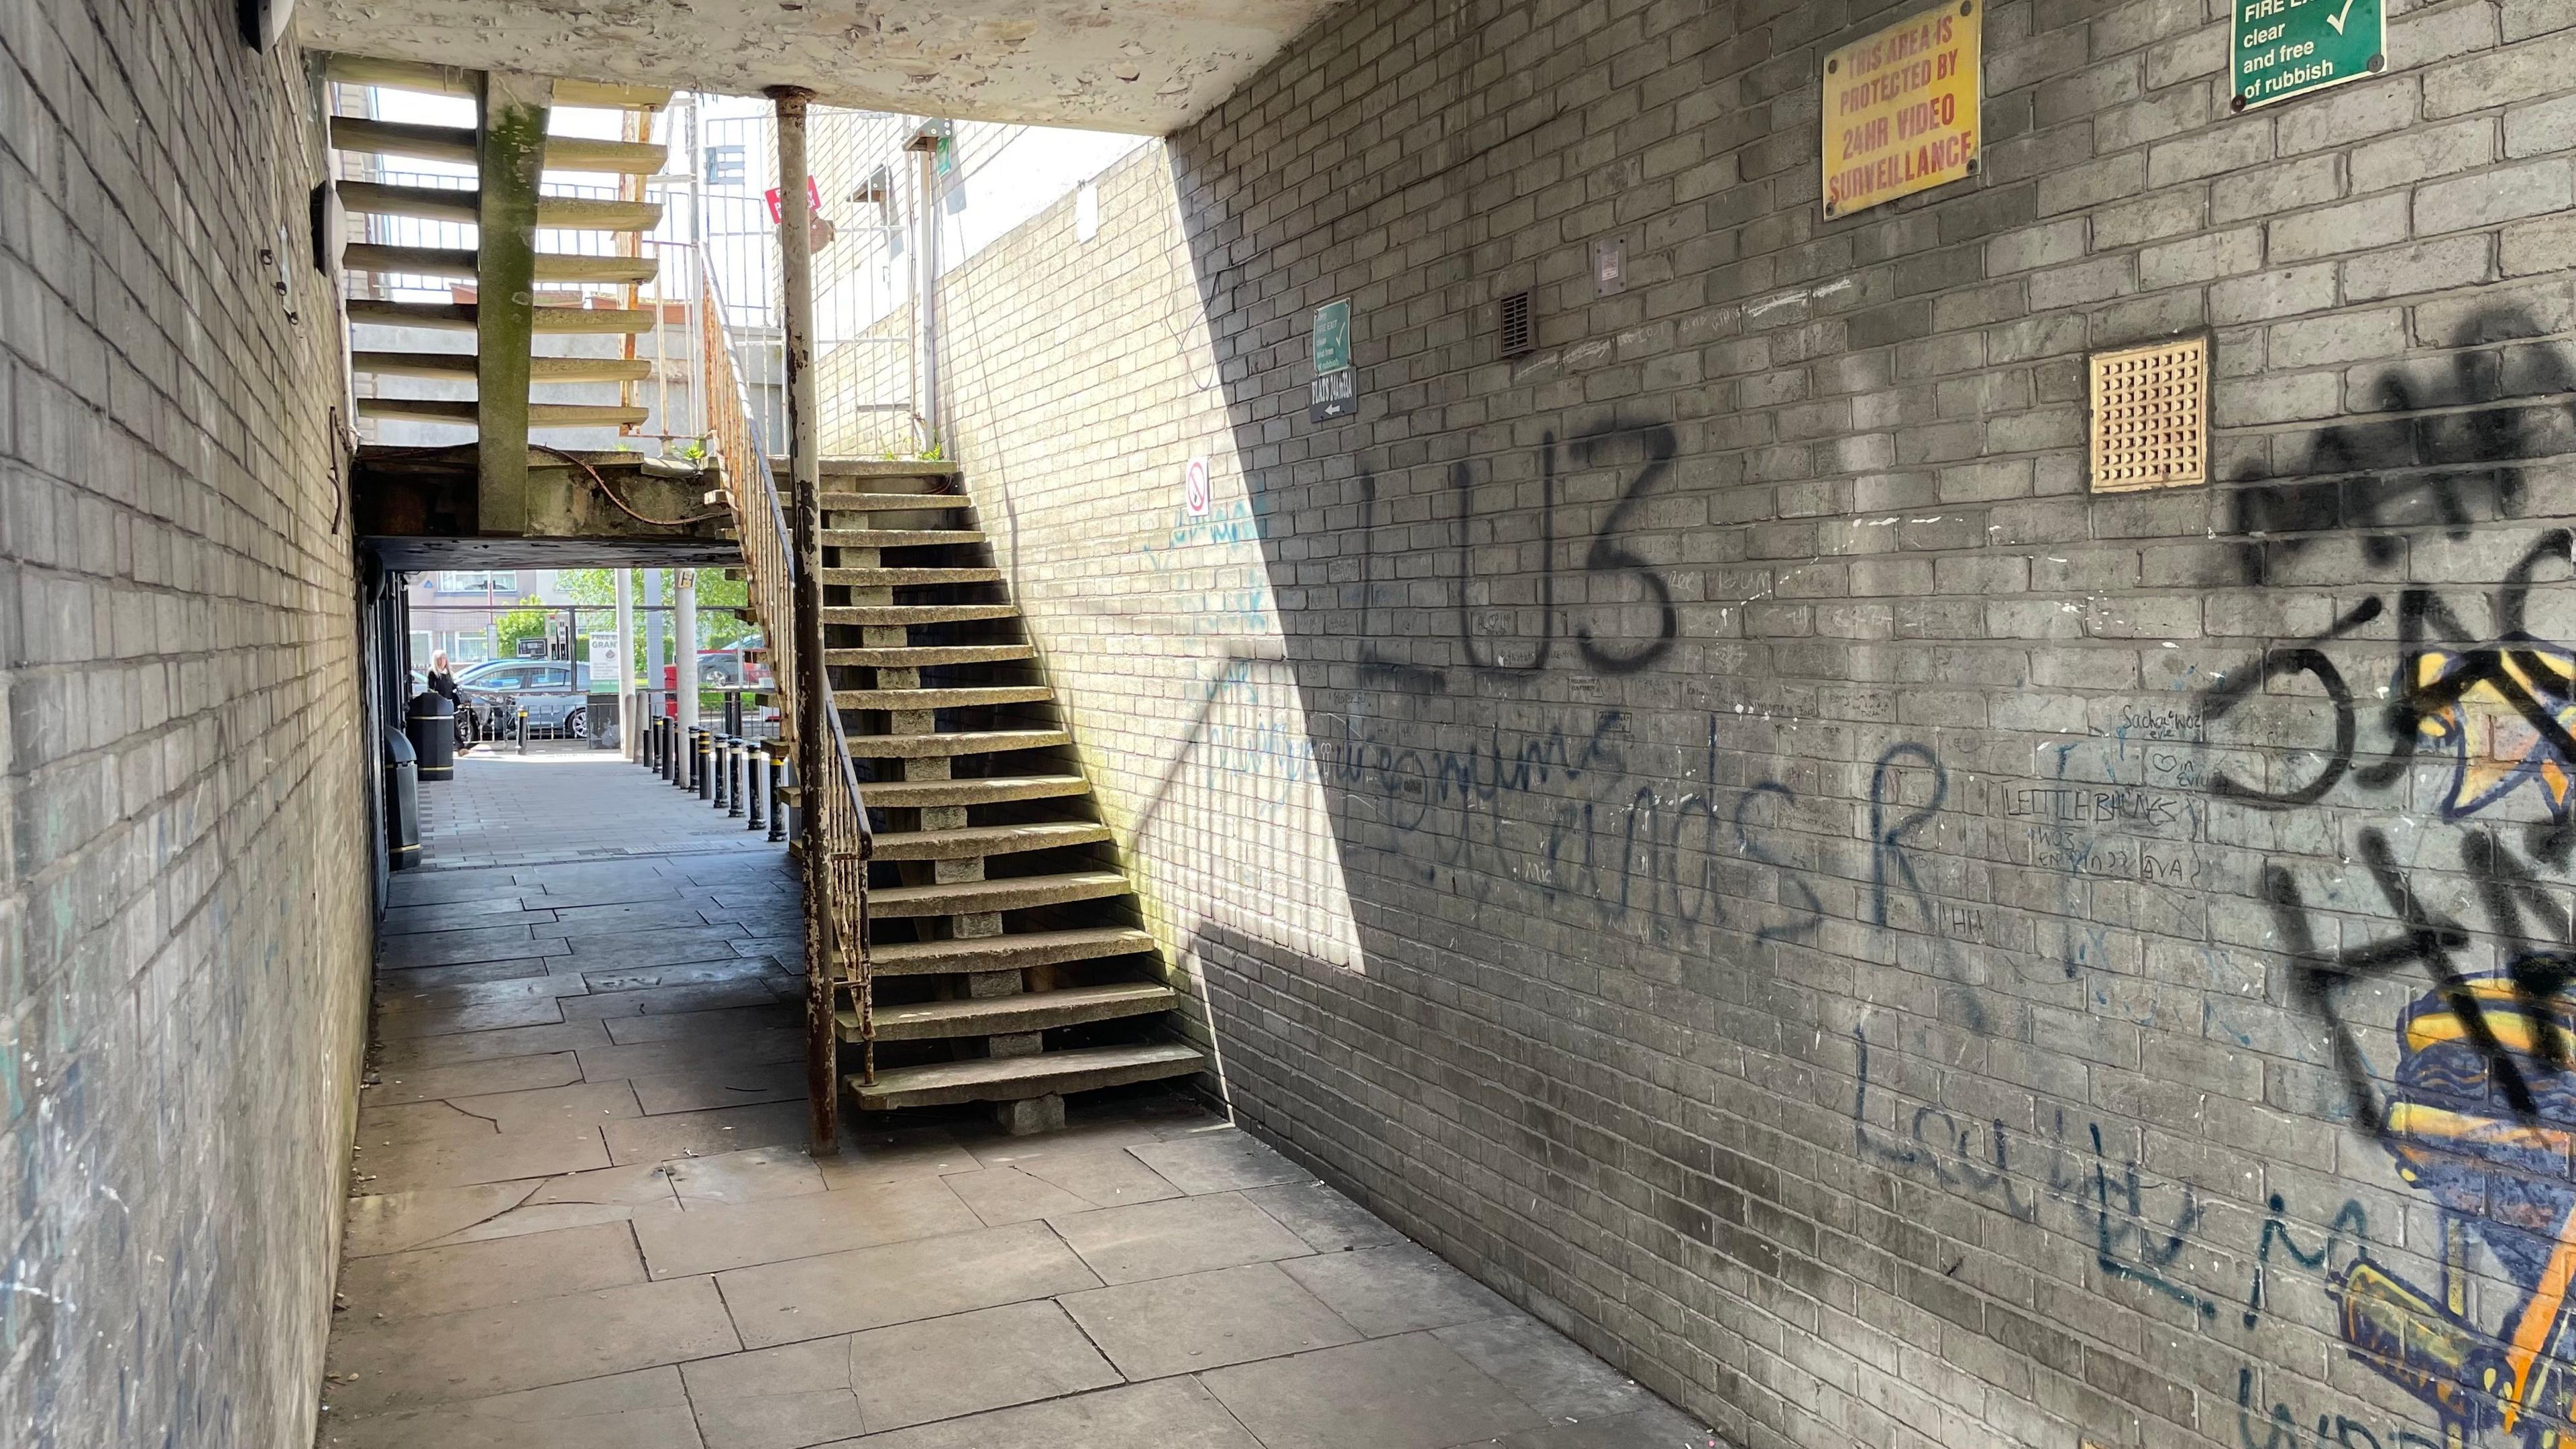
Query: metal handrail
[(751, 490)]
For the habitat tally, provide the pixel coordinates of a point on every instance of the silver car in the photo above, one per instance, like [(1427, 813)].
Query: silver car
[(555, 694)]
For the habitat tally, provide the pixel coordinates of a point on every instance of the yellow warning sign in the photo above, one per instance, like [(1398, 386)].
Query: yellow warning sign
[(1901, 109)]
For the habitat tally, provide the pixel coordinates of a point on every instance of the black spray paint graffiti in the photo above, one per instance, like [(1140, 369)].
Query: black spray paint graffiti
[(1606, 557), (2440, 457), (1563, 815), (2480, 1111)]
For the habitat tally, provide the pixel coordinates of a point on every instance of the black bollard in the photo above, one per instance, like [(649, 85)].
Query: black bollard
[(706, 764), (776, 750), (523, 729), (734, 772), (718, 743), (648, 741), (688, 780), (754, 758)]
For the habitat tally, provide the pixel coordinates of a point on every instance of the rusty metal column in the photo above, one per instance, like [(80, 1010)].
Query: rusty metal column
[(814, 687)]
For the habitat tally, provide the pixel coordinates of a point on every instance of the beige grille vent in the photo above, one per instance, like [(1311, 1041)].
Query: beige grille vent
[(2151, 416)]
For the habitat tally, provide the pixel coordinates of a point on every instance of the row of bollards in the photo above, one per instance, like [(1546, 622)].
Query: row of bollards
[(743, 778)]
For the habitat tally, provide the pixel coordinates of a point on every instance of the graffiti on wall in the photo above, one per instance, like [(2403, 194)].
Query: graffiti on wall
[(2418, 752)]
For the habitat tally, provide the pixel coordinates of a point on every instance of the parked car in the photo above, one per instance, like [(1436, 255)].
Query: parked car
[(739, 665), (555, 694)]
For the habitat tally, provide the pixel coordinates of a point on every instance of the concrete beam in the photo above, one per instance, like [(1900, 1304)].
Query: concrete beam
[(1142, 68), (592, 508), (512, 159)]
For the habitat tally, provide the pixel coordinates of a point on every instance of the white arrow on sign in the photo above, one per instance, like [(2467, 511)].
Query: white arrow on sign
[(2336, 20)]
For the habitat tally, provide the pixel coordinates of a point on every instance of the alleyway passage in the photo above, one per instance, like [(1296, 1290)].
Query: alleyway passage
[(562, 801), (585, 1218)]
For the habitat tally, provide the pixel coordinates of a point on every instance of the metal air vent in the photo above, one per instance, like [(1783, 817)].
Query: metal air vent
[(1518, 338), (2150, 408)]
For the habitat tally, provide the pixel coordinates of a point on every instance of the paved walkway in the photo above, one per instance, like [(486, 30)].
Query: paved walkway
[(560, 801), (585, 1219)]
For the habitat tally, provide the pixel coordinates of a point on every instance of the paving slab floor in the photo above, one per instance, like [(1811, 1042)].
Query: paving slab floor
[(584, 1217)]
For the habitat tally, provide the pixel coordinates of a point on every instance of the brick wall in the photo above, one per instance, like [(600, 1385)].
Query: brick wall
[(183, 863), (1885, 944)]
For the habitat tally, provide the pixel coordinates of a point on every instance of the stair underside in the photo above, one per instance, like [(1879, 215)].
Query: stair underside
[(961, 742), (888, 615), (993, 790), (923, 656), (462, 365), (1013, 951), (974, 840), (958, 698), (555, 213), (461, 265), (1004, 1015), (899, 537), (464, 316), (466, 414), (883, 502), (1003, 1079), (457, 145), (902, 578), (978, 897)]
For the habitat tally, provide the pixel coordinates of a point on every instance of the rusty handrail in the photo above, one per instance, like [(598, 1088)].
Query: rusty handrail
[(761, 523)]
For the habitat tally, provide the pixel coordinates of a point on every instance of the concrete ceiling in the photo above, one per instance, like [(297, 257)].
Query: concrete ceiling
[(1113, 65)]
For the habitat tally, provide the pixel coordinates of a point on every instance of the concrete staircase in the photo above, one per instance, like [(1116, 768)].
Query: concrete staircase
[(1007, 964)]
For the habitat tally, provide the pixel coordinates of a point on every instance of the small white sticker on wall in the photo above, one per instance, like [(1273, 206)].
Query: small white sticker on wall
[(1194, 488), (1086, 212)]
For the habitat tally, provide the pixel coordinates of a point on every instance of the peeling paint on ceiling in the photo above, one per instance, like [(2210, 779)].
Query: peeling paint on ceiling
[(1150, 67)]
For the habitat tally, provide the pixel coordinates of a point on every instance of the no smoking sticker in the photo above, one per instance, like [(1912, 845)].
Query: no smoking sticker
[(1194, 488)]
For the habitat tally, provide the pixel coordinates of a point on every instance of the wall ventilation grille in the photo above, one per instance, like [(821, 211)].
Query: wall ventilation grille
[(1518, 340), (2150, 410)]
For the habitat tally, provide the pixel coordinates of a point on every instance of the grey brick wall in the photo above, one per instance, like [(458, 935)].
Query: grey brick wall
[(1717, 829), (183, 869)]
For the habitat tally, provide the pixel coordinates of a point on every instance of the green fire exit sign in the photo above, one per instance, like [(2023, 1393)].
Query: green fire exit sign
[(2288, 48)]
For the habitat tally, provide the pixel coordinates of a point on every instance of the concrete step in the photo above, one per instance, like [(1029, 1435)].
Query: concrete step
[(922, 656), (459, 263), (899, 537), (436, 203), (875, 468), (1006, 1079), (455, 144), (973, 840), (462, 316), (887, 615), (993, 790), (942, 698), (956, 742), (1004, 1015), (448, 80), (878, 502), (1016, 951), (885, 578), (978, 897), (456, 365), (541, 415)]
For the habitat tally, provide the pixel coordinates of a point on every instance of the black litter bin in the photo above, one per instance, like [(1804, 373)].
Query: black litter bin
[(402, 801), (433, 735)]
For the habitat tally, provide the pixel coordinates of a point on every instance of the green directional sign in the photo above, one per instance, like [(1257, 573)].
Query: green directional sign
[(1333, 336), (2288, 48)]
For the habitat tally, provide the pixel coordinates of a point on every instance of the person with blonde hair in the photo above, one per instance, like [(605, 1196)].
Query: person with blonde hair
[(442, 683)]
